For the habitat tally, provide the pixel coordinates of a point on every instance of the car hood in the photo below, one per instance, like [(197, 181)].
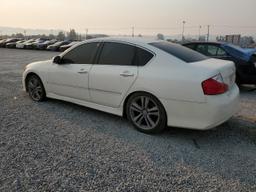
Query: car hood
[(31, 65), (240, 53)]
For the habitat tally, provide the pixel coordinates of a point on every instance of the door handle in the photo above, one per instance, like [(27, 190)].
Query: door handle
[(82, 71), (126, 74)]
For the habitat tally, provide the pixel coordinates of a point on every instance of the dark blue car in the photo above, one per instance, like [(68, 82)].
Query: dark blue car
[(244, 59)]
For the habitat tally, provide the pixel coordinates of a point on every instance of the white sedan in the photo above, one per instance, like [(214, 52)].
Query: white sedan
[(153, 83)]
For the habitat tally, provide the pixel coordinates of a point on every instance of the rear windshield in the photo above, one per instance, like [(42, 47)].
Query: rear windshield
[(180, 52)]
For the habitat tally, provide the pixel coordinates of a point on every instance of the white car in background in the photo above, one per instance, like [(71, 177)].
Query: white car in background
[(21, 45), (154, 83)]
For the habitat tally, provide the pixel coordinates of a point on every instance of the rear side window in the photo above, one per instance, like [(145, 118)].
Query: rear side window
[(83, 54), (142, 57), (117, 54), (181, 52)]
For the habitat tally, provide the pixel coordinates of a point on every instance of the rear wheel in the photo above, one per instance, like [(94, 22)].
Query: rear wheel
[(35, 88), (146, 113)]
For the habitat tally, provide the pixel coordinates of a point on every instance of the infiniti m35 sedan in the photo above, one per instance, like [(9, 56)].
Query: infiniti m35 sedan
[(153, 83)]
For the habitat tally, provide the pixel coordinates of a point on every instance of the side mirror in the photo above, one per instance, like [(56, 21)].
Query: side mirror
[(57, 59)]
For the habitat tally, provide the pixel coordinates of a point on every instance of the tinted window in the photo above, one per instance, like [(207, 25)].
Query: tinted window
[(212, 50), (221, 52), (82, 54), (142, 57), (180, 52), (117, 54), (202, 49), (191, 46)]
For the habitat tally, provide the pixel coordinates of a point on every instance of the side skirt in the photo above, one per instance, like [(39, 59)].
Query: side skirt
[(115, 111)]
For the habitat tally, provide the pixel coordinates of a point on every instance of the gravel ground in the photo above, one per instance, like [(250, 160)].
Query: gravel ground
[(59, 146)]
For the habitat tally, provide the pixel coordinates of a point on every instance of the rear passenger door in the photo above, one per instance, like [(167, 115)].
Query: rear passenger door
[(114, 74)]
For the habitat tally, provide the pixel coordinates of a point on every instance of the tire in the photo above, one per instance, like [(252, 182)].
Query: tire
[(146, 113), (35, 88), (238, 80)]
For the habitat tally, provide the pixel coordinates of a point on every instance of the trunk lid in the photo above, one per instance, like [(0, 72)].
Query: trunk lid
[(225, 68)]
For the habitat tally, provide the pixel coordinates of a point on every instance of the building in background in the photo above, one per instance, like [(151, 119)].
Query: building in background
[(234, 39), (247, 41)]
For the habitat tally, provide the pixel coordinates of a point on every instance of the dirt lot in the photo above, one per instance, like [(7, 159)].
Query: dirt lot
[(58, 146)]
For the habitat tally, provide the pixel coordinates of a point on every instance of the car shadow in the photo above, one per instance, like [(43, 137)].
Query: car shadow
[(216, 151), (120, 127)]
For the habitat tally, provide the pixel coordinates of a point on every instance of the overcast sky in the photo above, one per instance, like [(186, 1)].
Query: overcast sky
[(118, 16)]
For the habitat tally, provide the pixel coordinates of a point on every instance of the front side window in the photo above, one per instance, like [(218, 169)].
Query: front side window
[(221, 52), (212, 50), (83, 54), (181, 52), (117, 54)]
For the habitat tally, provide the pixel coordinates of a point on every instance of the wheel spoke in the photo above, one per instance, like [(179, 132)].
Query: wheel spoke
[(147, 122), (31, 85), (138, 118), (136, 107), (151, 122), (142, 102), (146, 101), (35, 94)]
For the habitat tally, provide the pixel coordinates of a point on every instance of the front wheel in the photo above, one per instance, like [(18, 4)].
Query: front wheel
[(35, 88), (146, 113)]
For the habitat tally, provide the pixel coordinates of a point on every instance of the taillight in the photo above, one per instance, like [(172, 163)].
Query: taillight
[(214, 86)]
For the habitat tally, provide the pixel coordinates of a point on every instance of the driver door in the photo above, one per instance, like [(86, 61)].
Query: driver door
[(70, 78)]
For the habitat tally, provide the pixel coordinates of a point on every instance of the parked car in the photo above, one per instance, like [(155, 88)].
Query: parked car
[(38, 41), (10, 40), (56, 46), (13, 44), (2, 42), (244, 59), (153, 83), (45, 44), (22, 45), (65, 47), (29, 44)]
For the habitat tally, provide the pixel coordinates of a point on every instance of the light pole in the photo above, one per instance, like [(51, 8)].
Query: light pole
[(183, 30), (208, 32)]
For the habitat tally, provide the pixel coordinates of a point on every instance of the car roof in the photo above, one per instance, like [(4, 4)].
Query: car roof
[(209, 42), (134, 40)]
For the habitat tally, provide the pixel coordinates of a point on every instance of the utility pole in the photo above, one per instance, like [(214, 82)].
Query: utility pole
[(199, 36), (183, 31), (86, 34), (132, 31), (208, 32), (25, 33)]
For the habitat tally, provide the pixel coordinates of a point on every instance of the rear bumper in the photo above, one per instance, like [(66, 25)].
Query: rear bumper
[(202, 116)]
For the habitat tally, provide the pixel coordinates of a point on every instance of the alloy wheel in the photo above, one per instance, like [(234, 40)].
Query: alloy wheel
[(144, 112), (35, 88)]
